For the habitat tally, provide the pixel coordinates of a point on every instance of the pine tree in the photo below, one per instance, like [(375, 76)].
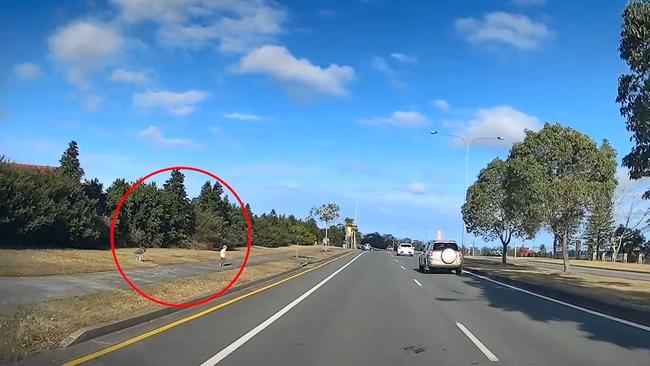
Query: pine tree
[(94, 190), (176, 185), (114, 194), (208, 199), (223, 206), (181, 222), (600, 222), (70, 162)]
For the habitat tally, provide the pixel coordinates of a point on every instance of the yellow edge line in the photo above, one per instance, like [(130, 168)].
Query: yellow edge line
[(176, 323)]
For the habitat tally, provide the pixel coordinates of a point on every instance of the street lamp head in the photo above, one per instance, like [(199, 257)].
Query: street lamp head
[(500, 138), (434, 132)]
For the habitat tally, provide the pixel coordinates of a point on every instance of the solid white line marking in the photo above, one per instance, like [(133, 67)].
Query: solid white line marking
[(477, 343), (402, 267), (416, 281), (253, 332), (592, 312)]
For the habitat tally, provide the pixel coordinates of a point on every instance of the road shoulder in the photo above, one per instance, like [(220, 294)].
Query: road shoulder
[(605, 301), (51, 339)]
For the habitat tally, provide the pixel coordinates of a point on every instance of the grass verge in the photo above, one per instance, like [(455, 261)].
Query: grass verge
[(28, 328), (637, 267), (47, 262), (628, 291)]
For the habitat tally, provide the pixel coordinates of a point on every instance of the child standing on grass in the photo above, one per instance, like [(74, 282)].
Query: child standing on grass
[(222, 255)]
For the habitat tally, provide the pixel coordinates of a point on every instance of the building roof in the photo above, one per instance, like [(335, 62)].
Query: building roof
[(40, 168)]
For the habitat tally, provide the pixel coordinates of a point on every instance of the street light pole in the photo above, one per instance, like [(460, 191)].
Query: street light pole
[(466, 143)]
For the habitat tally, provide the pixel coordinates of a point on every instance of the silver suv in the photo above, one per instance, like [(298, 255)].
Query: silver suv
[(441, 254)]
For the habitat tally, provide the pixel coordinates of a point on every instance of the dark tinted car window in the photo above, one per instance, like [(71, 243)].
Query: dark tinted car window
[(442, 246)]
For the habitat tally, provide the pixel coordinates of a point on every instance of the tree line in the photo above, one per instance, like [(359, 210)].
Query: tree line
[(59, 208), (559, 179), (382, 241)]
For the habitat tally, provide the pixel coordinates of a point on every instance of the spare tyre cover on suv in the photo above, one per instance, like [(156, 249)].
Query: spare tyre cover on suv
[(448, 255)]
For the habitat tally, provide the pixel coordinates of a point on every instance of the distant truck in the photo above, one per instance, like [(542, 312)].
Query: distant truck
[(526, 252)]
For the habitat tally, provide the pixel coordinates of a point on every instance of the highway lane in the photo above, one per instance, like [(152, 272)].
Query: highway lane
[(523, 329), (380, 311)]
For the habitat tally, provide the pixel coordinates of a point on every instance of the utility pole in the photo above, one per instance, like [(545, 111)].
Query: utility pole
[(354, 235), (466, 143)]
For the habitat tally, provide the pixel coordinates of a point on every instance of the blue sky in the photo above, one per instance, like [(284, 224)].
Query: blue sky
[(302, 103)]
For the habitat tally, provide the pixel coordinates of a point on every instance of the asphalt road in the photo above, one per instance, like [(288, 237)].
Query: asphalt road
[(379, 310), (577, 269)]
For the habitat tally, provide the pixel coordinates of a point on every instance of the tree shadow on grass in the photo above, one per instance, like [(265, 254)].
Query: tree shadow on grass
[(595, 327)]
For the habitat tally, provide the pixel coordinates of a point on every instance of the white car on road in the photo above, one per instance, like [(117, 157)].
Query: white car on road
[(405, 249), (441, 254)]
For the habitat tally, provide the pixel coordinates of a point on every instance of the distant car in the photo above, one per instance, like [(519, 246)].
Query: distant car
[(441, 254), (367, 246), (405, 249)]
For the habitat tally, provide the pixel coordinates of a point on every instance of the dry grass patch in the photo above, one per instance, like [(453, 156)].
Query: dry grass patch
[(28, 328), (603, 265), (630, 291), (46, 262)]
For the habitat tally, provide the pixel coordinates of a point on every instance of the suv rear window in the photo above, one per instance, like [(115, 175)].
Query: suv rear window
[(405, 245), (442, 246)]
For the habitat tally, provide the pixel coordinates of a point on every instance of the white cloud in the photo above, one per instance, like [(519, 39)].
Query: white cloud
[(236, 26), (279, 63), (528, 2), (638, 186), (28, 71), (242, 116), (416, 188), (442, 104), (403, 58), (500, 27), (394, 198), (172, 11), (179, 104), (326, 13), (397, 118), (272, 169), (154, 135), (92, 102), (503, 121), (380, 64), (129, 77), (84, 47)]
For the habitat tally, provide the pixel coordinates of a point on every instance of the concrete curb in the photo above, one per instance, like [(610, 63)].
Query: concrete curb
[(88, 333), (630, 312)]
